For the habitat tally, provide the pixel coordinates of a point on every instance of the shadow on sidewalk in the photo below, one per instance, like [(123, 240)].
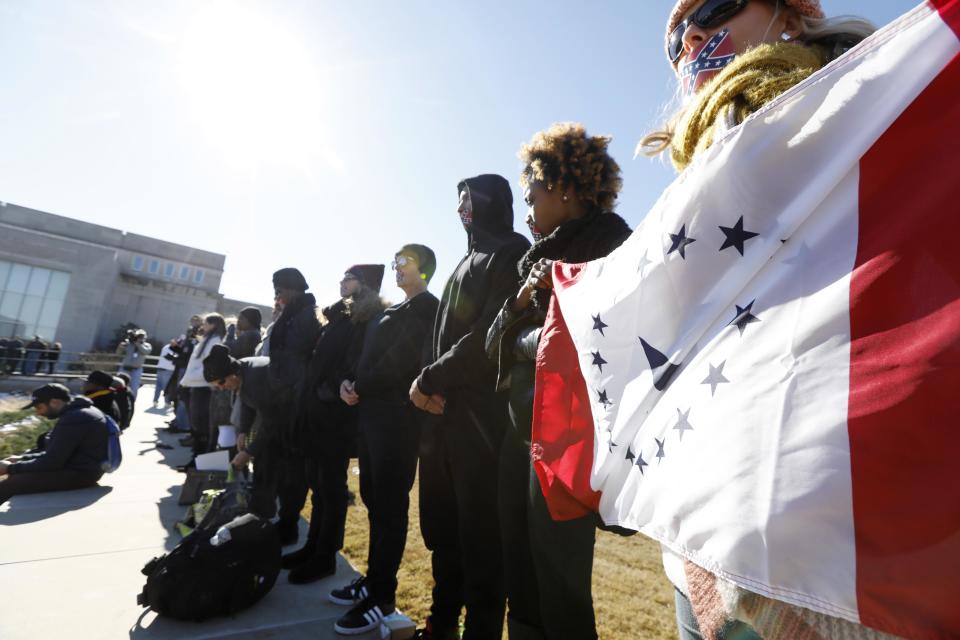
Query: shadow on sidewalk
[(35, 507)]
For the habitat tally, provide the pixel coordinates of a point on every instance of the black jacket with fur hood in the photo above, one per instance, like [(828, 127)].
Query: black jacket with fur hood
[(334, 358)]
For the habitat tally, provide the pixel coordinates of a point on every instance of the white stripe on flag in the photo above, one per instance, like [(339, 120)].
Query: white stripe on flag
[(766, 451)]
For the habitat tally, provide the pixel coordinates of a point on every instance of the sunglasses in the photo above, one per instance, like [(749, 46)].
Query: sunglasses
[(710, 14), (401, 261)]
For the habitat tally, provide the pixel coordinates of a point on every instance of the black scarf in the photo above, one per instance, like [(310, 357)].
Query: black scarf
[(278, 335), (592, 236)]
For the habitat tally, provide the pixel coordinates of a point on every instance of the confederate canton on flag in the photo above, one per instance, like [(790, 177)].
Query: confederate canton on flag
[(771, 363)]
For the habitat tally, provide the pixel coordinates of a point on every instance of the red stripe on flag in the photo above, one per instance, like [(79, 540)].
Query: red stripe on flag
[(904, 409), (950, 12), (562, 430)]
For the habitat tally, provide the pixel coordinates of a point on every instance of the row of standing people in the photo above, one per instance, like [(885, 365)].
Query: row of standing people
[(447, 384)]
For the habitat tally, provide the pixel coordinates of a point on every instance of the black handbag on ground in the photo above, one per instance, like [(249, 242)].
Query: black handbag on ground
[(217, 570)]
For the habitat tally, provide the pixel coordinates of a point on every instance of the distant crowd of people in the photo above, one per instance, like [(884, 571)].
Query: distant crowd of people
[(28, 357)]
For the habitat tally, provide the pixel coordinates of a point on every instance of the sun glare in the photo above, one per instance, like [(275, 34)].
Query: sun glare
[(253, 86)]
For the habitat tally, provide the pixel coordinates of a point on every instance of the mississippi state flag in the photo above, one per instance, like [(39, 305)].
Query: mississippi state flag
[(771, 363)]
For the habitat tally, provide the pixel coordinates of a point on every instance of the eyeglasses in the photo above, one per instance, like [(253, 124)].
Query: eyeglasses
[(402, 261), (710, 14)]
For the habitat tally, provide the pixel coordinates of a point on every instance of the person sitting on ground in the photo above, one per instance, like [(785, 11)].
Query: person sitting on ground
[(74, 452), (124, 398), (98, 388), (249, 377)]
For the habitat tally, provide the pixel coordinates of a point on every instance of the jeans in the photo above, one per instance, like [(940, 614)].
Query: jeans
[(163, 379), (688, 628), (135, 375)]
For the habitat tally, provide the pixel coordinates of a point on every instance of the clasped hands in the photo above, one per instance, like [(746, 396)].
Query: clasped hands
[(434, 404)]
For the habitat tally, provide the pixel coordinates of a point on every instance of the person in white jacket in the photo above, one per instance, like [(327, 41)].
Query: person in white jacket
[(214, 330)]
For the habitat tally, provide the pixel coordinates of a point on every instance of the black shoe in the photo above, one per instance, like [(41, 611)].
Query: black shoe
[(289, 532), (298, 557), (363, 617), (350, 594), (428, 632), (316, 568)]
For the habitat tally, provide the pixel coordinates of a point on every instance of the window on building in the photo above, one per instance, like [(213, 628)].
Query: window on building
[(138, 263), (168, 270), (31, 299), (154, 266), (198, 276), (184, 272)]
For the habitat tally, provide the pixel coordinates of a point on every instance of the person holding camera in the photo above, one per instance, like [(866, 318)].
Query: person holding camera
[(134, 349)]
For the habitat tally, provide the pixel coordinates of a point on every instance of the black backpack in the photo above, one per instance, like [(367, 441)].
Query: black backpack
[(200, 579)]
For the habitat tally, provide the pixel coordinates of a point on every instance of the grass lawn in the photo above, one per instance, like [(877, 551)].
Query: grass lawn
[(25, 437), (632, 597)]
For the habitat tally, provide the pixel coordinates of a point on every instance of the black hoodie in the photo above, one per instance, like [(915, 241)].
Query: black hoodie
[(78, 441), (472, 297)]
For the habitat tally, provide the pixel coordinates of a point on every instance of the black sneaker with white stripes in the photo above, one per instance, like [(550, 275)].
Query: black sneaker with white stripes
[(350, 594), (363, 617)]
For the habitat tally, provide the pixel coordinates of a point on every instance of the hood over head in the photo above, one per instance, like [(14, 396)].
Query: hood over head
[(492, 202)]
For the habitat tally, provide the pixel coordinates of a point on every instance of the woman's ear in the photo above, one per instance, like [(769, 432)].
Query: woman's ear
[(792, 25)]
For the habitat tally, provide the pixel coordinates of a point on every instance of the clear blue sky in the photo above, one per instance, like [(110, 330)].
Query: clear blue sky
[(314, 133)]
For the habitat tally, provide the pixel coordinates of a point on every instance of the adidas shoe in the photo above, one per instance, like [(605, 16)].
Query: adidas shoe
[(363, 617), (351, 594)]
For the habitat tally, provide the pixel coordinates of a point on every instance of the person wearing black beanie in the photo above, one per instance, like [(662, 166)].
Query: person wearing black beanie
[(291, 279), (292, 339), (370, 275), (248, 335), (250, 379)]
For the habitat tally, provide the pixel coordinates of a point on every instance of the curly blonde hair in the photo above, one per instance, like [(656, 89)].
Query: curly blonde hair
[(565, 156)]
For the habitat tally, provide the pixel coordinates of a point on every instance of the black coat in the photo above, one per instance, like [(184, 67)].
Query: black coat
[(322, 413), (588, 238), (78, 441), (107, 403), (393, 349), (472, 297), (257, 400), (292, 341)]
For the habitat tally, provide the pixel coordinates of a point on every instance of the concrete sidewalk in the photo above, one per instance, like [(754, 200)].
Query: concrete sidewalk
[(70, 562)]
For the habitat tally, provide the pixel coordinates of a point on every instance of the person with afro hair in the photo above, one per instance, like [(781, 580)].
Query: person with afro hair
[(570, 184)]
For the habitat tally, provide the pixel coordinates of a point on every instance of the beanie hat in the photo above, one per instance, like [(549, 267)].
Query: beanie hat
[(369, 274), (290, 278), (808, 8), (219, 364), (253, 316), (100, 378)]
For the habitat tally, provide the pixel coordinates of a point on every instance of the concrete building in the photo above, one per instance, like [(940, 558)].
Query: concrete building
[(76, 282)]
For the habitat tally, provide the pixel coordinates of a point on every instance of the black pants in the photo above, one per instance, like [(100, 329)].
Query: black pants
[(388, 449), (439, 525), (327, 476), (548, 564), (200, 419), (473, 427), (45, 481), (273, 473)]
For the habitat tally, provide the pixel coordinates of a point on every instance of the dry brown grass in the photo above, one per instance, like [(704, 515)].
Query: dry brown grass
[(632, 597)]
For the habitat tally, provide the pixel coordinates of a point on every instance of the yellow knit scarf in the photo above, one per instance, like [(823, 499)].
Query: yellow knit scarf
[(749, 82)]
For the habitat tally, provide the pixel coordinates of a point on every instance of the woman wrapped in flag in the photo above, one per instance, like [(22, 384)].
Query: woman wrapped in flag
[(732, 57)]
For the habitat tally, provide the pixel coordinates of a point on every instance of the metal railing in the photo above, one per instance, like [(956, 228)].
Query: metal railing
[(49, 362)]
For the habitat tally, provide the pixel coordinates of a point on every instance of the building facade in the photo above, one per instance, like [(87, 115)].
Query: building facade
[(76, 283)]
